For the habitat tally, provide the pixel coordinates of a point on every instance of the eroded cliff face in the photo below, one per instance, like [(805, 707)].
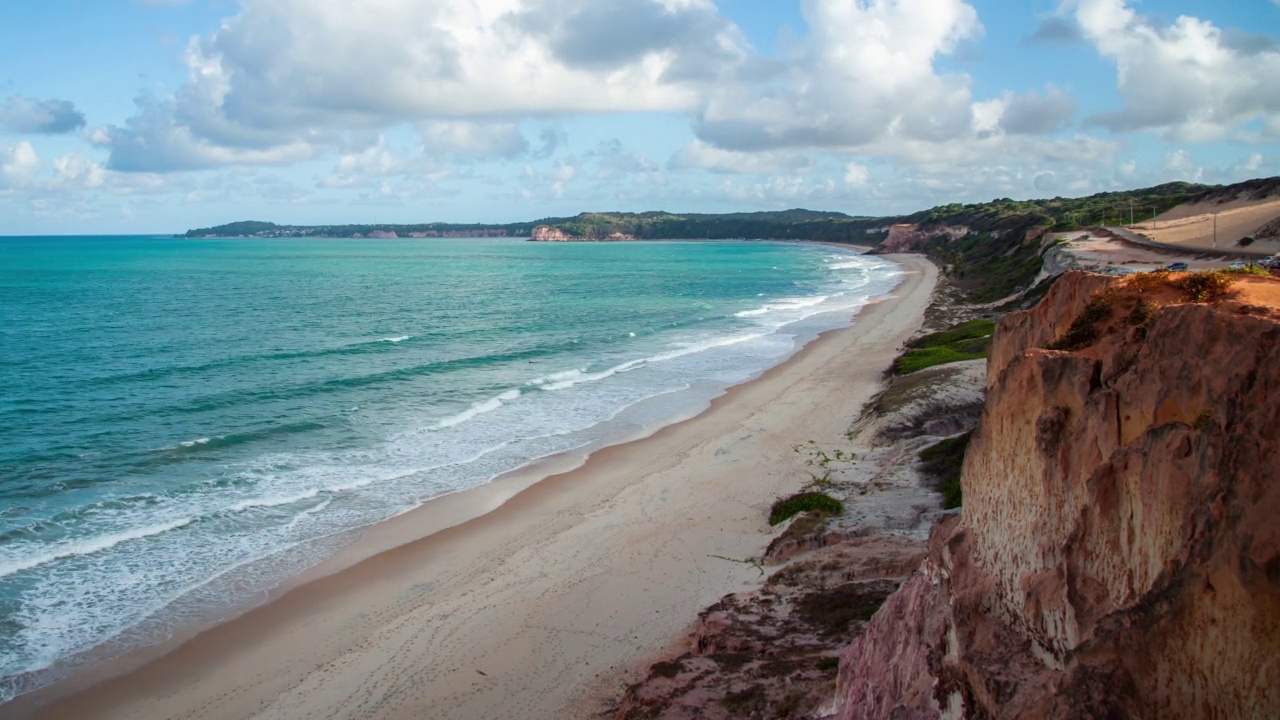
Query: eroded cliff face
[(546, 233), (1118, 554), (909, 238)]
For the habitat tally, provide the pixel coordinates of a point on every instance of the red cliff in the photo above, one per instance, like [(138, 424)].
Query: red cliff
[(1118, 553)]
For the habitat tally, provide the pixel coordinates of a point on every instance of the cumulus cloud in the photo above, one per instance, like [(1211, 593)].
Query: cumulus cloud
[(865, 71), (19, 165), (46, 117), (282, 75), (614, 161), (75, 171), (468, 140), (1187, 79), (609, 36), (856, 174), (705, 156), (1036, 114)]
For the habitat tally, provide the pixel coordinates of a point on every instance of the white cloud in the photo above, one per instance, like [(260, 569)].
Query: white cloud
[(781, 190), (1187, 79), (1179, 166), (1034, 114), (74, 170), (276, 81), (46, 117), (856, 174), (468, 140), (699, 154), (614, 162), (865, 71), (19, 165)]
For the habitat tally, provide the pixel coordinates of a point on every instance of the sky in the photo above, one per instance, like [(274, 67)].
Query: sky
[(155, 116)]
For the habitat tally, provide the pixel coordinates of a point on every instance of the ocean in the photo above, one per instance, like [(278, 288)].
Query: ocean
[(185, 422)]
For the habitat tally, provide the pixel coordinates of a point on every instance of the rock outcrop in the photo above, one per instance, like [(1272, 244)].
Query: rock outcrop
[(1118, 553), (544, 233), (909, 238), (547, 233)]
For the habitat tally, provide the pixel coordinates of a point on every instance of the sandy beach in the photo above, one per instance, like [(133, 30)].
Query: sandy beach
[(536, 597)]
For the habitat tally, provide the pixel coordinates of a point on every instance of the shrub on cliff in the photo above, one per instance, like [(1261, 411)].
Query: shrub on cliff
[(943, 463), (1084, 329), (787, 507), (1205, 286)]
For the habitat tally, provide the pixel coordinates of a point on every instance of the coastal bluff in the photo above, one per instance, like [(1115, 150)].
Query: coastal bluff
[(1118, 552), (547, 233)]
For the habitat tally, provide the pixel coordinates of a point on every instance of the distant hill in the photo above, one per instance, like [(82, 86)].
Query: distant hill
[(796, 224), (999, 216)]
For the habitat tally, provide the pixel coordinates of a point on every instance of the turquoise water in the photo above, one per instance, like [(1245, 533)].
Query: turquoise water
[(184, 422)]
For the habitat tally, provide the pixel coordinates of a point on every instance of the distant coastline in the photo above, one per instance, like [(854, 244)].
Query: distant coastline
[(999, 217)]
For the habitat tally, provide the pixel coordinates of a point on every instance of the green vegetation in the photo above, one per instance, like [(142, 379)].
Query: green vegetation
[(943, 463), (785, 508), (1084, 329), (997, 227), (1249, 270), (964, 331), (1205, 286), (1143, 312), (785, 224), (1245, 241), (1063, 214), (966, 341), (819, 459), (1203, 419), (987, 267)]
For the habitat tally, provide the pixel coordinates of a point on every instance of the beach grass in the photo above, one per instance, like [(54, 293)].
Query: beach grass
[(966, 341), (944, 461), (786, 508)]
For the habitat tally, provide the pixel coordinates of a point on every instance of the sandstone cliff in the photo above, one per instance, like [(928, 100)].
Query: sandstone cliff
[(1118, 553), (546, 233), (911, 238)]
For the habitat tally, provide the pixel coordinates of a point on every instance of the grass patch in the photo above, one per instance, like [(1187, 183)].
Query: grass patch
[(809, 523), (917, 360), (1205, 286), (943, 462), (816, 502), (966, 341), (964, 331)]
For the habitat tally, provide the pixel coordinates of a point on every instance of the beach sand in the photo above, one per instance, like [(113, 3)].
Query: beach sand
[(551, 597)]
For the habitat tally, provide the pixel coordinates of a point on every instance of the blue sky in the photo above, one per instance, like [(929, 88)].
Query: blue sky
[(121, 116)]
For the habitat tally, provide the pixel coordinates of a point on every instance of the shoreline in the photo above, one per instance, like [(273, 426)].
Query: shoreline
[(576, 562)]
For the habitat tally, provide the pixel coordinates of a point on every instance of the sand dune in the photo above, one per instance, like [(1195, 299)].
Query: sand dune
[(1192, 225)]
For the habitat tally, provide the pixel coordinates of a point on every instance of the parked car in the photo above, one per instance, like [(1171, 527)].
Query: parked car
[(1274, 264), (1237, 265), (1175, 267)]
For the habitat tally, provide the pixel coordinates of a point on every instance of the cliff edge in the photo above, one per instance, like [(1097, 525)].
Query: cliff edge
[(1118, 553)]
